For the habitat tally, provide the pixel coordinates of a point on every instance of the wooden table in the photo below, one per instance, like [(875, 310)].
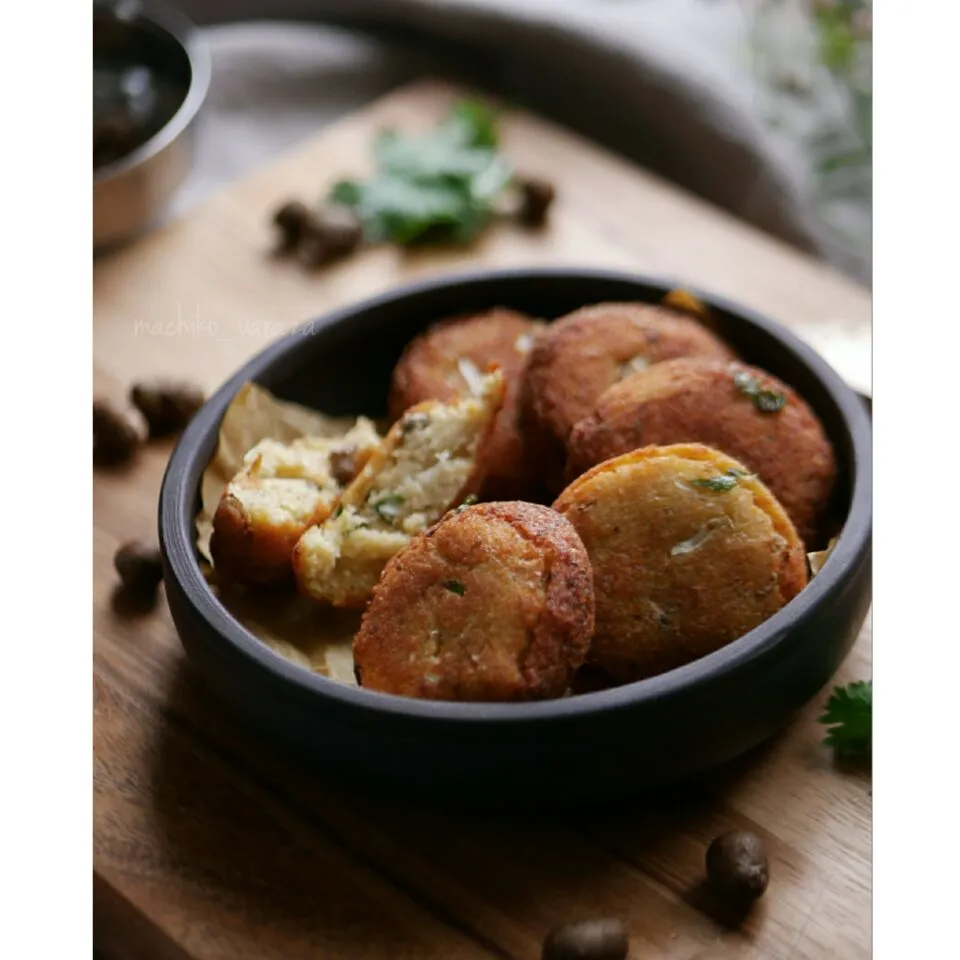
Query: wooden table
[(208, 847)]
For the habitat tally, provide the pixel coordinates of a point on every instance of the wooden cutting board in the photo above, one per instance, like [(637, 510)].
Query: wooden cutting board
[(208, 847)]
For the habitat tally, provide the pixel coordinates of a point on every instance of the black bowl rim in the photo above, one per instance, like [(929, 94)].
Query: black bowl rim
[(185, 35), (178, 542)]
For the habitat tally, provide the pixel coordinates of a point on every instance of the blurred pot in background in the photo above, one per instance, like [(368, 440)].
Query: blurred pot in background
[(151, 71)]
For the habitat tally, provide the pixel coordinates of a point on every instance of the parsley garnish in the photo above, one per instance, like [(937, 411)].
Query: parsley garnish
[(440, 187), (455, 586), (388, 506), (765, 400), (338, 511), (723, 483), (468, 501), (849, 718)]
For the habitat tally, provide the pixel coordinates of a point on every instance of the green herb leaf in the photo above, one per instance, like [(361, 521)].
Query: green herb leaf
[(413, 421), (347, 193), (723, 483), (439, 187), (455, 586), (837, 38), (849, 717), (429, 158), (338, 511), (472, 123), (468, 501), (388, 507), (764, 399)]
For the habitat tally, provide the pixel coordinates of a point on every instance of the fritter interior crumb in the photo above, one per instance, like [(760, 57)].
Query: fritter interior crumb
[(281, 490), (431, 459)]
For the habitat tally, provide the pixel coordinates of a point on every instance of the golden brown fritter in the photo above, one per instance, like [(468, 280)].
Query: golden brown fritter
[(689, 552), (493, 603), (582, 354), (449, 359), (741, 410), (281, 490), (432, 458)]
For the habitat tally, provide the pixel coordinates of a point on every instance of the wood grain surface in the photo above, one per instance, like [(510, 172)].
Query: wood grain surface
[(208, 847)]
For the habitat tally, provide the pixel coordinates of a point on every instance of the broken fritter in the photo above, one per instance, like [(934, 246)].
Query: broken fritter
[(281, 490), (434, 456)]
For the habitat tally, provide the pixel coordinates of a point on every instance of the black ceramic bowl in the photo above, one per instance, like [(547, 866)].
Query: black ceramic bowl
[(565, 751)]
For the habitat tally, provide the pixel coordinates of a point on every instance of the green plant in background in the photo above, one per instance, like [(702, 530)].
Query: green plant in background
[(844, 29), (814, 60), (442, 186)]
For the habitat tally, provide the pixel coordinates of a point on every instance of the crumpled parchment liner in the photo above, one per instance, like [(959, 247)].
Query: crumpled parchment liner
[(304, 632), (819, 557), (307, 633)]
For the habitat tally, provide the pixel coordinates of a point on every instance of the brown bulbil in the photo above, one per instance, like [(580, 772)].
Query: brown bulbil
[(536, 198), (493, 603), (292, 220), (167, 405), (738, 868), (116, 433), (605, 938), (139, 566), (344, 465), (342, 229), (333, 234)]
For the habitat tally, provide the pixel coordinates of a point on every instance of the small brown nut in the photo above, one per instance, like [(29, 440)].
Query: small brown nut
[(602, 939), (334, 234), (343, 465), (312, 250), (139, 566), (116, 434), (737, 866), (342, 229), (292, 220), (536, 197), (166, 405)]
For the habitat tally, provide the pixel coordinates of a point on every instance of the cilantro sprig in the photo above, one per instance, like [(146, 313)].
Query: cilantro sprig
[(388, 507), (442, 186), (723, 483), (764, 399), (848, 716), (468, 501)]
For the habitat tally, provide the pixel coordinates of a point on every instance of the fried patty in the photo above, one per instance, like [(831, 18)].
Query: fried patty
[(689, 552), (741, 410), (493, 603), (280, 491), (431, 459), (583, 353), (449, 359)]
